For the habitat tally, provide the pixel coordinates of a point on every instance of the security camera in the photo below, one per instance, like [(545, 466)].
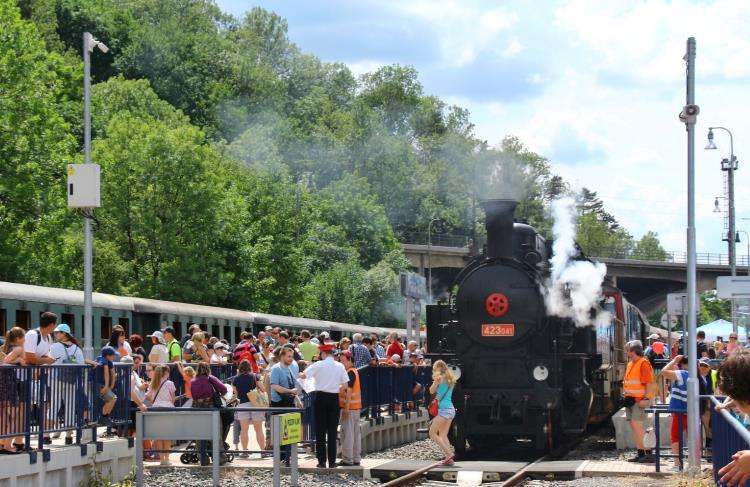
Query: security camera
[(102, 47)]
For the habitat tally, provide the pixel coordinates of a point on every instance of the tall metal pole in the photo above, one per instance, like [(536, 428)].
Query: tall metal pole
[(88, 348), (429, 261), (691, 113)]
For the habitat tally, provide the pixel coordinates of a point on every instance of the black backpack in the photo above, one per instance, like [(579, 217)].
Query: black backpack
[(652, 357)]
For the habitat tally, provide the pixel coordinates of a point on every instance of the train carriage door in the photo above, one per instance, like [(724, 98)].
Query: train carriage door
[(3, 321), (23, 319)]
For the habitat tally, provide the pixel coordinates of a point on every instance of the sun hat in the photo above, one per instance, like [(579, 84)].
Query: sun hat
[(63, 327)]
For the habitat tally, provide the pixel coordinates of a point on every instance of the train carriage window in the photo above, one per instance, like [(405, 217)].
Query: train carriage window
[(215, 330), (23, 319), (105, 328), (227, 333), (70, 320), (178, 329), (3, 321), (125, 323)]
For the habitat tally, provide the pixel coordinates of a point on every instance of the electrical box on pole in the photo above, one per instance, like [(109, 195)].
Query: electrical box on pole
[(83, 186)]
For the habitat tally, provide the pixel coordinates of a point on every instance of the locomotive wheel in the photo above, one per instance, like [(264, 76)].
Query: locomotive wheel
[(457, 437)]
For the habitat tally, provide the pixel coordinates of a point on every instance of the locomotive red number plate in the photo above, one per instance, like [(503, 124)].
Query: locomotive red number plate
[(498, 330)]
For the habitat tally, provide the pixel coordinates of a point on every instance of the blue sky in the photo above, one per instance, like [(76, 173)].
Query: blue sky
[(594, 85)]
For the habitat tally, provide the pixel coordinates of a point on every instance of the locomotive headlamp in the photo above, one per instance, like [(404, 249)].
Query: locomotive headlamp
[(456, 370), (540, 373)]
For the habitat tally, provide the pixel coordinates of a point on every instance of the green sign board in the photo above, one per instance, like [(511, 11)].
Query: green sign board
[(291, 428)]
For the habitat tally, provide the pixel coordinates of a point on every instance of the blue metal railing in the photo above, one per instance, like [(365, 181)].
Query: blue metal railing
[(38, 400), (393, 389), (730, 435)]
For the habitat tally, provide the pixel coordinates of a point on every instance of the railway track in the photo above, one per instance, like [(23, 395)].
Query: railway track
[(467, 478)]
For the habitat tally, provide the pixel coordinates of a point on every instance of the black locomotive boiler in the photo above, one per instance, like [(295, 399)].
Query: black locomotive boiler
[(523, 374)]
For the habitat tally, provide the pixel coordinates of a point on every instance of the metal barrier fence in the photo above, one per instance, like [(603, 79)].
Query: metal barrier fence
[(393, 389), (37, 400), (730, 435)]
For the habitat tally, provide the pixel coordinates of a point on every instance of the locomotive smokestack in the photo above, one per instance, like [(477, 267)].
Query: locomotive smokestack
[(499, 224)]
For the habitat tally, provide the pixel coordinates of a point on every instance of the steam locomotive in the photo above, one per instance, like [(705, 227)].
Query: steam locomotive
[(524, 374)]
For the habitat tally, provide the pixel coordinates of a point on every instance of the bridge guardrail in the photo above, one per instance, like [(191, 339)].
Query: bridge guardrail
[(656, 255)]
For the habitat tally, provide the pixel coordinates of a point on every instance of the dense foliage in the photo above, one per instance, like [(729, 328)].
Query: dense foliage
[(237, 170)]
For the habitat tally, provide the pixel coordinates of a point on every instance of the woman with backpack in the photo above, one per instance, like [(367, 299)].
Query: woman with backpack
[(67, 382), (11, 353), (242, 384)]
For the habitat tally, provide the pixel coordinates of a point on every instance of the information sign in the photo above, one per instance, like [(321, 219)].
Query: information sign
[(291, 428)]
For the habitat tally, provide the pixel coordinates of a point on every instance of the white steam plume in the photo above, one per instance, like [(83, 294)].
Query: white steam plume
[(575, 286)]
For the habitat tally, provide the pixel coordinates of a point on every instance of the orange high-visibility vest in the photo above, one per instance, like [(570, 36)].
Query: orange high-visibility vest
[(356, 400), (633, 385)]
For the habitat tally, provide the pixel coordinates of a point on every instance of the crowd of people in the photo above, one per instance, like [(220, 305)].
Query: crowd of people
[(660, 372), (270, 369)]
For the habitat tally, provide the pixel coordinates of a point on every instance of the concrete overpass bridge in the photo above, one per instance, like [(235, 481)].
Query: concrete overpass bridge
[(646, 279)]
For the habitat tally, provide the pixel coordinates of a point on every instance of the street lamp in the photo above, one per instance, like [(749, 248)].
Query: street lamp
[(429, 258), (89, 44), (728, 165)]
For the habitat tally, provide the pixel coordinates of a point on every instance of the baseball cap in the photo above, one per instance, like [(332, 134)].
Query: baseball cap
[(653, 336), (269, 328), (325, 335), (158, 336), (327, 347), (108, 351), (396, 357), (63, 327), (704, 361), (127, 359), (220, 345)]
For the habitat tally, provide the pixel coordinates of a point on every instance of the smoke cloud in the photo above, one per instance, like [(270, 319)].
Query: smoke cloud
[(575, 286)]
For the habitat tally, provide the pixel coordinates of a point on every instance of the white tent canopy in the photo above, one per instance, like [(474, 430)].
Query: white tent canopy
[(720, 328)]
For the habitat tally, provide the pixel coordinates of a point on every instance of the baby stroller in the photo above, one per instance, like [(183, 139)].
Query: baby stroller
[(192, 455)]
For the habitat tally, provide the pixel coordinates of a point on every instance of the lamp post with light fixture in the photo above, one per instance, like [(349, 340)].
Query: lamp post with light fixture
[(728, 165)]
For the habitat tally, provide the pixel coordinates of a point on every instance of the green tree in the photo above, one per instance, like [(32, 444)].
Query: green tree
[(714, 308), (649, 248), (35, 142), (349, 203)]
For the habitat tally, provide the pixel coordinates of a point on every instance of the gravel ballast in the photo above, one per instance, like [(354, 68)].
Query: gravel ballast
[(191, 477)]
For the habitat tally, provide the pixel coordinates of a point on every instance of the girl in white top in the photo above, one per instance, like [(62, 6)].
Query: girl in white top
[(162, 392)]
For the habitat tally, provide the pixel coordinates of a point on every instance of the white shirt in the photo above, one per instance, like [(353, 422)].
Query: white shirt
[(30, 344), (58, 352), (158, 354), (135, 385), (218, 359), (127, 348), (329, 375)]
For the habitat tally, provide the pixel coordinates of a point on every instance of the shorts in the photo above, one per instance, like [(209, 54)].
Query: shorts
[(635, 413), (249, 415), (674, 434), (447, 413), (108, 396)]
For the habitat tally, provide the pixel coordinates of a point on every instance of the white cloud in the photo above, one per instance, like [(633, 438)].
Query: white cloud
[(359, 68), (466, 29)]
